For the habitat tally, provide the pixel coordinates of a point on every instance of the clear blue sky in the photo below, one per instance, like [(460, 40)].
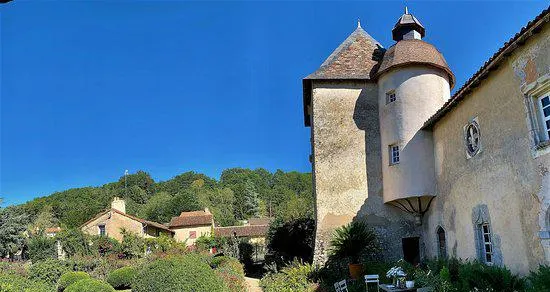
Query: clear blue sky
[(89, 89)]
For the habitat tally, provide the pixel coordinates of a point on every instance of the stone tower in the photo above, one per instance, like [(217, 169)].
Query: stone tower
[(352, 126)]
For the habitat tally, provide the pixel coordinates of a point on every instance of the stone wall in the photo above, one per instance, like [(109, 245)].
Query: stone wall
[(181, 234)]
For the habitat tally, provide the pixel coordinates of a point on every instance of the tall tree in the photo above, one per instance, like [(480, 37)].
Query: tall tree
[(13, 223)]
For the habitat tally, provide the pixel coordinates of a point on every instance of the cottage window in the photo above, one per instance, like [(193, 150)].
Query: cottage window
[(441, 243), (394, 154), (102, 230), (487, 247), (537, 95), (390, 96), (192, 234), (544, 114)]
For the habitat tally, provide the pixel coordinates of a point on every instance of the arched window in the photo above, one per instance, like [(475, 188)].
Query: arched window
[(441, 242)]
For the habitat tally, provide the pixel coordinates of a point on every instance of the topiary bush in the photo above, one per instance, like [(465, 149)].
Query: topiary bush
[(90, 285), (186, 273), (48, 271), (69, 278), (122, 278), (16, 283), (540, 280)]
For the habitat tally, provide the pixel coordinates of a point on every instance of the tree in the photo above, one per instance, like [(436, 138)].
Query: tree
[(13, 223), (45, 219), (251, 201), (220, 202), (140, 179)]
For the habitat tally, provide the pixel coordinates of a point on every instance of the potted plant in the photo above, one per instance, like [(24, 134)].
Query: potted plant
[(350, 242)]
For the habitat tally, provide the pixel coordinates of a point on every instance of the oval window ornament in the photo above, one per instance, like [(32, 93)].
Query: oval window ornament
[(472, 138)]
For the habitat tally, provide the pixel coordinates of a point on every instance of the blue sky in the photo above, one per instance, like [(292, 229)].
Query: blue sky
[(89, 89)]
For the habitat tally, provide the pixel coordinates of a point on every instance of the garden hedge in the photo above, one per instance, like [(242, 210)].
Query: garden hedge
[(69, 278), (122, 278), (48, 271), (90, 285)]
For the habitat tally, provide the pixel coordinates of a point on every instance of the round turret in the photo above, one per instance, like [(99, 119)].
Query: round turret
[(414, 81)]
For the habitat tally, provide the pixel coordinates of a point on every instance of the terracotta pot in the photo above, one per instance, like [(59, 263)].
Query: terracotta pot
[(356, 271)]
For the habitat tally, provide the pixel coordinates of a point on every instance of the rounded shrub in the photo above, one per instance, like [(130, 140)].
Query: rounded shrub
[(184, 273), (69, 278), (48, 271), (122, 278), (11, 282), (89, 285)]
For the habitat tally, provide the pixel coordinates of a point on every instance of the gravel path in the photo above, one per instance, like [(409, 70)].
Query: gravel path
[(253, 284)]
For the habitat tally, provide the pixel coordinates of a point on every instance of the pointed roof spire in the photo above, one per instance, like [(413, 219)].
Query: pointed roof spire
[(406, 10)]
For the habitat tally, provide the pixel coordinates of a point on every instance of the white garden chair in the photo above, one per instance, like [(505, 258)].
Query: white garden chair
[(341, 286), (372, 279)]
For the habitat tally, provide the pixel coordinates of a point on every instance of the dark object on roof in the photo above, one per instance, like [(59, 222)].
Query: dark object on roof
[(242, 231), (406, 23), (142, 221), (410, 52), (355, 59), (193, 218), (534, 26)]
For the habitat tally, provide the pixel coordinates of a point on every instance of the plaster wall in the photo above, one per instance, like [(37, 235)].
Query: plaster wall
[(347, 173), (505, 182), (181, 234), (420, 91), (113, 223)]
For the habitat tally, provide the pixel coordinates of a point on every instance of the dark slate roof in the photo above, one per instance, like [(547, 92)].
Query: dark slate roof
[(355, 59), (193, 218), (534, 26), (407, 52), (242, 231), (405, 23)]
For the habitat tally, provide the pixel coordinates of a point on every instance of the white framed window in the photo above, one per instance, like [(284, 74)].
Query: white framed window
[(543, 105), (487, 248), (102, 230), (394, 154), (390, 96)]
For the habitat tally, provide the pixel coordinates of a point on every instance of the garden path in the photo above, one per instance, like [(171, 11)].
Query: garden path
[(253, 284)]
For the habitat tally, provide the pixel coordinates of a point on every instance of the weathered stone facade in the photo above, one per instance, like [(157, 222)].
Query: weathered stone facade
[(491, 204)]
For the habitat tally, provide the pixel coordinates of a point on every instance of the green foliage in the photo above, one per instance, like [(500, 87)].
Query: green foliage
[(48, 271), (295, 277), (220, 202), (473, 274), (231, 271), (292, 239), (75, 242), (105, 246), (41, 248), (45, 219), (122, 278), (13, 222), (132, 245), (89, 285), (17, 283), (185, 273), (69, 278), (540, 279), (352, 240)]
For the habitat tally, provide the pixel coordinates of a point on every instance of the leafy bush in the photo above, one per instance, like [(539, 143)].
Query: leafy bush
[(122, 278), (290, 240), (48, 271), (133, 246), (186, 273), (105, 246), (89, 285), (41, 248), (473, 274), (540, 280), (295, 277), (69, 278), (353, 240), (231, 271), (228, 263), (74, 242), (11, 282)]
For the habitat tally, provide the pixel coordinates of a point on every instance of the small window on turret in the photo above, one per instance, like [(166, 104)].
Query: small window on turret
[(394, 154), (390, 96)]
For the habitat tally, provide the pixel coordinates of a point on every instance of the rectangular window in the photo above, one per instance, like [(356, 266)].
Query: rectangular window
[(394, 154), (101, 230), (487, 250), (192, 234), (544, 106), (390, 96)]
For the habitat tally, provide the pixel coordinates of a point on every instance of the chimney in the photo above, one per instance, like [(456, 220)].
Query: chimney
[(119, 204), (206, 210)]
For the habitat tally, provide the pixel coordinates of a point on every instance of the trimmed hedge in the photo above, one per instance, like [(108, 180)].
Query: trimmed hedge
[(185, 273), (16, 283), (122, 278), (69, 278), (90, 285), (48, 271)]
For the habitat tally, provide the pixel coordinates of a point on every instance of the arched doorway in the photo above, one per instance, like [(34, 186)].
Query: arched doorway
[(441, 242)]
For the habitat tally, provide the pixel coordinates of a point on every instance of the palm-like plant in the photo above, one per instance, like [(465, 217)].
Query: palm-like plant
[(350, 241)]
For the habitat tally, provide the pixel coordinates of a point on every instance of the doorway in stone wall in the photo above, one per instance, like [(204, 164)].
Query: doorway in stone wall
[(411, 250)]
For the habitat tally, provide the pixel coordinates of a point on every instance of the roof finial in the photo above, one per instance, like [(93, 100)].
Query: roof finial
[(406, 10), (358, 22)]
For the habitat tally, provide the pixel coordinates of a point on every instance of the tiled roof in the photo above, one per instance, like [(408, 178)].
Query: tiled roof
[(191, 219), (242, 231), (143, 221), (534, 26), (406, 52)]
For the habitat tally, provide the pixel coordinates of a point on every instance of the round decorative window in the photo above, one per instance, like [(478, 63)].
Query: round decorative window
[(472, 137)]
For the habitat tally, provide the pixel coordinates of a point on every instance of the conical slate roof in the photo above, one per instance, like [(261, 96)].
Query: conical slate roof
[(355, 58), (406, 23)]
